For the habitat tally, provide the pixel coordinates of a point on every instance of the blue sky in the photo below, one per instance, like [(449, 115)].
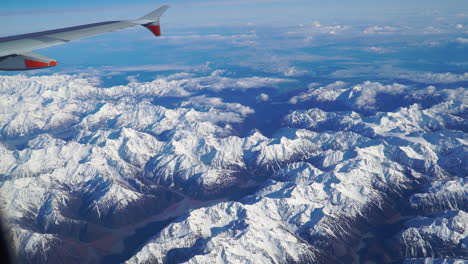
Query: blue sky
[(297, 38), (30, 4), (27, 16), (41, 14)]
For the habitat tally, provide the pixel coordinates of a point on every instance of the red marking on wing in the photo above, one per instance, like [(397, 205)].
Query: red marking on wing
[(35, 64), (155, 29), (53, 63)]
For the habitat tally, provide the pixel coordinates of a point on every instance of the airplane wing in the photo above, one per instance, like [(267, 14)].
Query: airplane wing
[(16, 51)]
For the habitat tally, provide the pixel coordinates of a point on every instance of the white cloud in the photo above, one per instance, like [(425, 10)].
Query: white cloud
[(215, 117), (433, 43), (462, 40), (433, 30), (263, 97), (379, 30), (148, 68), (316, 24), (216, 82), (436, 77), (294, 100), (377, 49), (214, 102), (244, 43), (132, 78), (214, 110), (459, 26), (336, 85), (357, 71), (180, 75), (183, 39), (180, 84), (326, 93), (294, 72), (459, 94), (431, 89), (369, 91), (362, 96), (316, 28), (388, 71), (332, 30), (107, 71), (284, 64)]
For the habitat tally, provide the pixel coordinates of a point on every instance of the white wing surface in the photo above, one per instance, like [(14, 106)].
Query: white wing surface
[(16, 51)]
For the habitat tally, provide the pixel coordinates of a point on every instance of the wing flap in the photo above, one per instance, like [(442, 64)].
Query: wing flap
[(28, 61)]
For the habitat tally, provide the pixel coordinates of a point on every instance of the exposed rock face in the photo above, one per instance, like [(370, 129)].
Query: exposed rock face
[(440, 196), (440, 235)]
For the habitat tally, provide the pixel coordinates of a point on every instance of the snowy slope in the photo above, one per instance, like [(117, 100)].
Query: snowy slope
[(84, 168)]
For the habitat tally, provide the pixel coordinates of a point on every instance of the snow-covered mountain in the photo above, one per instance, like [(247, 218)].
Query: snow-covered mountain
[(124, 174)]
